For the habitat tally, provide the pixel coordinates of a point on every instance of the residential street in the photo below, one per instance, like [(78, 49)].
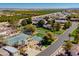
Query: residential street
[(53, 47)]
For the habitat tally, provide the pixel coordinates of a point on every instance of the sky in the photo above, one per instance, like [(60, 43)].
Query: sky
[(39, 5)]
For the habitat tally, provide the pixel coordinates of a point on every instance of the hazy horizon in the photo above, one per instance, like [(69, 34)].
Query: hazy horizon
[(39, 5)]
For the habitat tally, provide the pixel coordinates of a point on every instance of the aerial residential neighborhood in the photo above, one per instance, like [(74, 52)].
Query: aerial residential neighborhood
[(39, 31)]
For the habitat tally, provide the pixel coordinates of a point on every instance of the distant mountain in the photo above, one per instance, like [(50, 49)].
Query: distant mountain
[(72, 8), (36, 8)]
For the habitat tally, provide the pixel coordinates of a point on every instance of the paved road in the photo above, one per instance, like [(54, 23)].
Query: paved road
[(53, 47)]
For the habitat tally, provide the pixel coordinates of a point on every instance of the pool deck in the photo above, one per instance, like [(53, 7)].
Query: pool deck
[(32, 52)]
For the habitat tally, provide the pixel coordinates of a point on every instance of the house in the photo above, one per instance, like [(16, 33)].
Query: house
[(36, 19), (74, 19), (6, 29), (48, 26), (11, 50), (75, 50), (61, 21)]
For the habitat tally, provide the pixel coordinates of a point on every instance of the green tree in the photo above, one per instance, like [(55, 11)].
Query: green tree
[(52, 23), (46, 18), (77, 31), (49, 22), (57, 26), (48, 39), (68, 18), (41, 23), (29, 20), (67, 47), (30, 28), (76, 39), (67, 25), (24, 22)]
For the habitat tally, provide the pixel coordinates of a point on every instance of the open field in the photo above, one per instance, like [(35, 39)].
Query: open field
[(14, 16), (37, 11)]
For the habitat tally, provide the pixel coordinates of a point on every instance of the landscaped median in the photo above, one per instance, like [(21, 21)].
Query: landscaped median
[(75, 32), (75, 35)]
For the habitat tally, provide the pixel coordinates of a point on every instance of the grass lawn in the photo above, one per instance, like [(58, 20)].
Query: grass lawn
[(73, 34), (58, 32), (51, 43), (42, 31)]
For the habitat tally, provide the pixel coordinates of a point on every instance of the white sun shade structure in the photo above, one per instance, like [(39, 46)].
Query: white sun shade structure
[(13, 51)]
